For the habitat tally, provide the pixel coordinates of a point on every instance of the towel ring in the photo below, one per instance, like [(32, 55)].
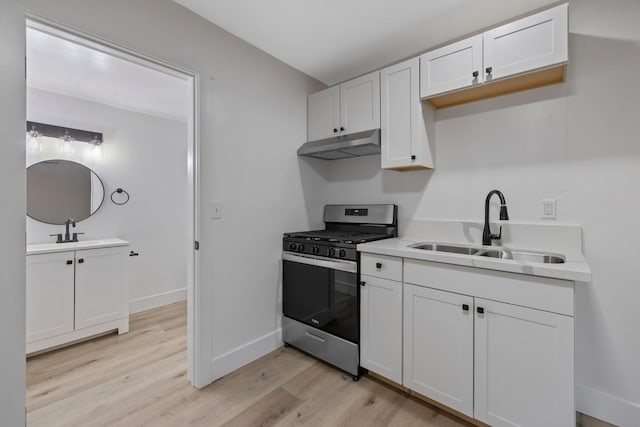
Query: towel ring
[(120, 191)]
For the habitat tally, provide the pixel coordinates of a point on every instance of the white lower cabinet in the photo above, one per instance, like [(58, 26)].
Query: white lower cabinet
[(491, 345), (74, 295), (523, 366), (49, 295), (381, 327), (438, 346)]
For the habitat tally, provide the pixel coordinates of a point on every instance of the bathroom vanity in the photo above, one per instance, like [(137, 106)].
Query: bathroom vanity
[(75, 291)]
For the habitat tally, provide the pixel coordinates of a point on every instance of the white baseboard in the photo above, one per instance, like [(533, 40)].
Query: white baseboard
[(158, 300), (246, 353), (606, 407)]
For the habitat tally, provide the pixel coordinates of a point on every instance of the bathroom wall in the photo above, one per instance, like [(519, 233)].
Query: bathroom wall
[(146, 156)]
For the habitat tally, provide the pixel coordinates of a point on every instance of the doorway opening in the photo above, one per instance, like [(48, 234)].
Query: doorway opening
[(146, 111)]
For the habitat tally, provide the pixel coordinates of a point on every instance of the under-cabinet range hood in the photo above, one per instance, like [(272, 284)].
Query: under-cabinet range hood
[(340, 147)]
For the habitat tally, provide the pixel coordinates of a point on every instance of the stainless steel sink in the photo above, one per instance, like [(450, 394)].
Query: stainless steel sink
[(439, 247), (525, 256)]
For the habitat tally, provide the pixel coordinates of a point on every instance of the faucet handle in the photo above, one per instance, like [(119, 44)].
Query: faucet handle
[(75, 237), (497, 236), (57, 236)]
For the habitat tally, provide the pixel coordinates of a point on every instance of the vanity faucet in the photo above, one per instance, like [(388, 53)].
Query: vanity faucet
[(487, 237), (67, 236)]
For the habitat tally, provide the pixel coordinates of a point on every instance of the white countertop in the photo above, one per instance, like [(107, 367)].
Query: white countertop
[(575, 267), (47, 248)]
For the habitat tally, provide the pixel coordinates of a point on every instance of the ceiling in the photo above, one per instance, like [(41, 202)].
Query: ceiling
[(68, 68), (335, 40)]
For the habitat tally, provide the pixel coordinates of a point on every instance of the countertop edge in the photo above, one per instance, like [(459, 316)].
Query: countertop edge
[(577, 271), (48, 248)]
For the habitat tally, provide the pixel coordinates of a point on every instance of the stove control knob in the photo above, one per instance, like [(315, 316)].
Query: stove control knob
[(292, 246), (316, 250), (300, 248), (332, 252), (343, 253)]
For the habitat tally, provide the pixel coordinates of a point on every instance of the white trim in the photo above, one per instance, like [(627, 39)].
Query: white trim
[(152, 301), (607, 407), (246, 353), (199, 349)]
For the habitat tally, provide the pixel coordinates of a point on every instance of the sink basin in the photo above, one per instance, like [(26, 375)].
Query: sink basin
[(524, 256), (454, 249)]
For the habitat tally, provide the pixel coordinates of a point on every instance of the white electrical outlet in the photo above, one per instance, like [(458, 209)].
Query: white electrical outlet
[(548, 209)]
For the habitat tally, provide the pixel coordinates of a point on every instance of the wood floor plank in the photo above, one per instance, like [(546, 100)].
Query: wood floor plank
[(139, 379)]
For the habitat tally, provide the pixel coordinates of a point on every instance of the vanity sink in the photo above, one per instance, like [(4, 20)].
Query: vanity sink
[(524, 256), (454, 249)]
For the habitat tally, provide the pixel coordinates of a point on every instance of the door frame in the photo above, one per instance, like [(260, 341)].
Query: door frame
[(198, 328)]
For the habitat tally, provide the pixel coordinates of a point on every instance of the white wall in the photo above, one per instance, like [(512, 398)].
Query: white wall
[(12, 188), (145, 155), (252, 120), (579, 143)]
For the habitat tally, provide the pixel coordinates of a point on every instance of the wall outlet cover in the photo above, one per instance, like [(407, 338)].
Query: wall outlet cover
[(548, 209)]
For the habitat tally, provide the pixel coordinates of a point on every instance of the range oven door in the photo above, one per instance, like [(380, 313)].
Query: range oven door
[(322, 293)]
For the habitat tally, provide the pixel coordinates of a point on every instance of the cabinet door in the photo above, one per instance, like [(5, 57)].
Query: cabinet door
[(452, 67), (360, 104), (537, 41), (523, 366), (323, 114), (49, 289), (381, 327), (403, 128), (438, 346), (102, 291)]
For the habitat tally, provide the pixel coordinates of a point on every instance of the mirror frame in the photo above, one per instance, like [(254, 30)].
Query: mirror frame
[(104, 190)]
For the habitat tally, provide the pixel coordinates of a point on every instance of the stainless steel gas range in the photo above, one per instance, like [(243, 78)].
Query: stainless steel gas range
[(321, 277)]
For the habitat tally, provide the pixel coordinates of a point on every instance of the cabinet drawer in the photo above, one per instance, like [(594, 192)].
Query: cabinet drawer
[(541, 293), (386, 267)]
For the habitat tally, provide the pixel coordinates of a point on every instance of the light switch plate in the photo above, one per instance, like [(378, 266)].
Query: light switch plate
[(216, 210)]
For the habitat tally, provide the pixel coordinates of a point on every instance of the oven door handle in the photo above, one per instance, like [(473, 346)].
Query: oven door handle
[(347, 266)]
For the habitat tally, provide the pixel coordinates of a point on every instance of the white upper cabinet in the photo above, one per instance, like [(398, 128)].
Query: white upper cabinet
[(351, 107), (534, 42), (452, 67), (531, 52), (360, 104), (404, 118), (323, 114)]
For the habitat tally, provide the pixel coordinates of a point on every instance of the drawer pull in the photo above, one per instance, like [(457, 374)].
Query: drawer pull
[(465, 307), (378, 265), (315, 337), (480, 310)]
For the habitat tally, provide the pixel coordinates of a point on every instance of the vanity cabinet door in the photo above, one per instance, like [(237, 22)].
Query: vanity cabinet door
[(523, 366), (49, 295), (101, 286), (438, 346)]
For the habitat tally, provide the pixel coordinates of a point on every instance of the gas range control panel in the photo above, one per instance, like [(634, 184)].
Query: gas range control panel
[(320, 250)]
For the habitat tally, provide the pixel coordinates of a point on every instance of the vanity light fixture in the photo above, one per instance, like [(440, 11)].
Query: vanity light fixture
[(33, 140), (66, 136), (66, 149)]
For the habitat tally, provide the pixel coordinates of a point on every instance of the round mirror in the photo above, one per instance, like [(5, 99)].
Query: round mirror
[(61, 189)]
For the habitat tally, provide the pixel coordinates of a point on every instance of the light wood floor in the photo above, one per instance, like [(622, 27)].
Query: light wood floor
[(139, 379)]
